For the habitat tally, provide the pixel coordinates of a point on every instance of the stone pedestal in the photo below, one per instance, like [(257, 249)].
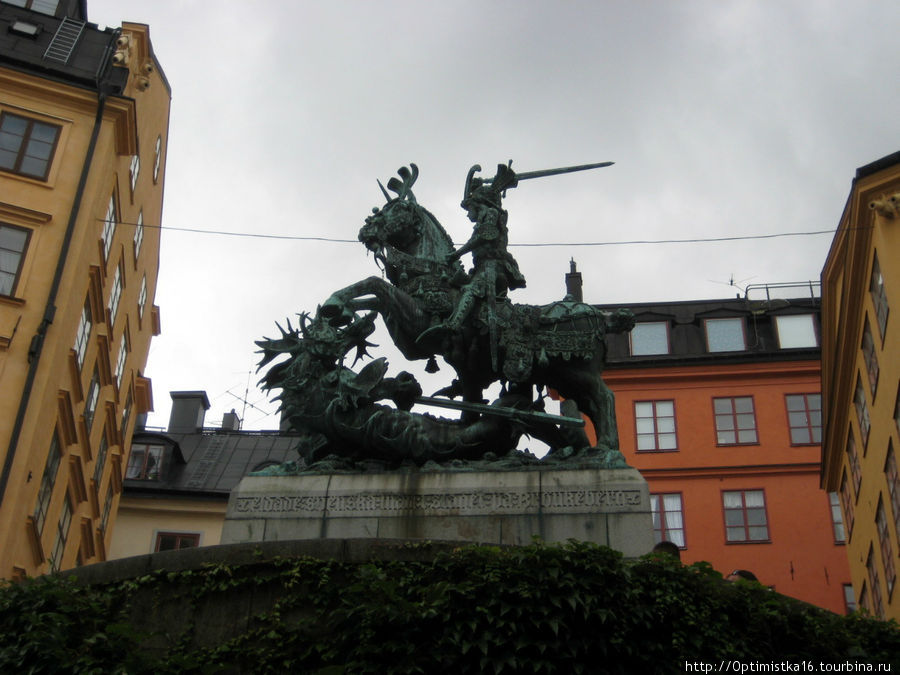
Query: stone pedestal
[(605, 506)]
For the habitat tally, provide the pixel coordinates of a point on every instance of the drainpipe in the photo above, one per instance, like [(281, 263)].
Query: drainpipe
[(37, 342)]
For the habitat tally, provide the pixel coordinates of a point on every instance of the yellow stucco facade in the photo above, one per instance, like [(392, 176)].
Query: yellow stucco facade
[(861, 381), (79, 257), (141, 521)]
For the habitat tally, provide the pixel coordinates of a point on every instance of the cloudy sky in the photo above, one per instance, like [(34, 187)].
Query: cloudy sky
[(725, 119)]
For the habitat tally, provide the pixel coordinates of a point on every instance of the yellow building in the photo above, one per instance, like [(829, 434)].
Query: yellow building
[(861, 381), (83, 128)]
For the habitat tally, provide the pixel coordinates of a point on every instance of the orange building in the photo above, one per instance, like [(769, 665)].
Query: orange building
[(83, 129), (718, 405), (861, 381)]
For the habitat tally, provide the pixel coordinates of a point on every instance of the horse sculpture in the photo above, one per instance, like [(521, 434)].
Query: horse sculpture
[(560, 345)]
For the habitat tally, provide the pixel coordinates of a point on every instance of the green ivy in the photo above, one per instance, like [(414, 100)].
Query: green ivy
[(577, 608)]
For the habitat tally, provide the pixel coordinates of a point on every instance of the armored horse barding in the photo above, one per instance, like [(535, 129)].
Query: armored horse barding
[(560, 345)]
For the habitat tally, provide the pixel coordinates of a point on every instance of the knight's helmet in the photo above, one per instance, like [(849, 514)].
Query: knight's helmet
[(488, 191)]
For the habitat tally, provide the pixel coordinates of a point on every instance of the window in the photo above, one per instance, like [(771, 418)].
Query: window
[(139, 234), (745, 516), (107, 507), (893, 484), (90, 402), (13, 242), (43, 6), (126, 415), (847, 501), (134, 170), (868, 350), (862, 412), (853, 461), (83, 334), (879, 296), (735, 421), (174, 541), (120, 361), (874, 584), (897, 409), (115, 295), (142, 297), (864, 599), (109, 226), (26, 145), (62, 534), (145, 462), (655, 421), (805, 418), (725, 335), (48, 479), (650, 337), (796, 331), (887, 555), (668, 518), (157, 158), (100, 461), (837, 521), (849, 599)]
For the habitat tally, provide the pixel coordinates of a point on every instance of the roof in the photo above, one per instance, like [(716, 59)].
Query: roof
[(687, 333), (211, 462)]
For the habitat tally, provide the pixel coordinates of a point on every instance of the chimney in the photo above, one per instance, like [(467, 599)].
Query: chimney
[(573, 283), (231, 422), (188, 411)]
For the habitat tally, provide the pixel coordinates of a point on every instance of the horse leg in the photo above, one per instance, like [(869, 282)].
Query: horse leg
[(336, 308)]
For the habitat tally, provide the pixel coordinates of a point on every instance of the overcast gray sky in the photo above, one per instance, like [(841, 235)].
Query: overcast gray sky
[(724, 118)]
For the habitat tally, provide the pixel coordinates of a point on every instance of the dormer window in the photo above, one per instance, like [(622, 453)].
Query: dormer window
[(145, 462), (650, 337), (796, 331), (725, 335)]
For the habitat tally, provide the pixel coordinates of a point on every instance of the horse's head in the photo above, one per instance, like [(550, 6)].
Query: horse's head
[(397, 225)]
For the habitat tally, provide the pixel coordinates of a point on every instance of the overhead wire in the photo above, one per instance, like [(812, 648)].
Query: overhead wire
[(629, 242)]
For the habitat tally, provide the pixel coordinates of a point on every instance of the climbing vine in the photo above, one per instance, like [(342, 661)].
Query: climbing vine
[(540, 608)]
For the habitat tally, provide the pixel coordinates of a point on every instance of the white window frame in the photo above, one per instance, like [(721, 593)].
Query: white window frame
[(109, 226)]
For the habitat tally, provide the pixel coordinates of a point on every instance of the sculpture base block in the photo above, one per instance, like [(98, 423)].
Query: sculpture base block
[(604, 506)]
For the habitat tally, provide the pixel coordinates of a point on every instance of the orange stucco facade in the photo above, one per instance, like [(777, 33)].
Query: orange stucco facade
[(800, 556)]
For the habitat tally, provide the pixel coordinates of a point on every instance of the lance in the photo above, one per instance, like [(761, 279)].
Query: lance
[(500, 411)]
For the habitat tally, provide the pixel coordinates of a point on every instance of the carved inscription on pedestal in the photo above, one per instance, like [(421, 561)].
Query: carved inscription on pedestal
[(459, 503)]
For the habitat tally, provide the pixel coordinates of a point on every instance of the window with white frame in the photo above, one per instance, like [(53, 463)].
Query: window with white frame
[(668, 518), (874, 584), (735, 420), (745, 516), (157, 159), (120, 360), (796, 331), (837, 519), (83, 334), (62, 534), (655, 425), (879, 296), (100, 462), (142, 297), (48, 480), (90, 401), (107, 508), (109, 226), (27, 145), (892, 476), (853, 461), (139, 234), (862, 411), (849, 599), (884, 540), (13, 244), (725, 335), (847, 502), (870, 356), (650, 337), (134, 170), (804, 418), (115, 294)]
